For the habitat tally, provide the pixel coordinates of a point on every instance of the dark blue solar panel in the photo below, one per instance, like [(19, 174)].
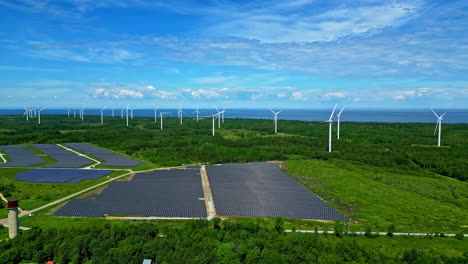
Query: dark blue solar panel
[(109, 159), (172, 193), (63, 176), (262, 189), (95, 174), (22, 160)]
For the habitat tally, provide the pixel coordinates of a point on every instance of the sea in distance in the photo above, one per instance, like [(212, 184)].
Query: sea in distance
[(348, 115)]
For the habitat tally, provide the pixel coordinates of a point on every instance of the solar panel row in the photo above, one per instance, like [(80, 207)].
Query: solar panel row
[(60, 175), (64, 158), (20, 156), (171, 193), (68, 161), (110, 159), (263, 190)]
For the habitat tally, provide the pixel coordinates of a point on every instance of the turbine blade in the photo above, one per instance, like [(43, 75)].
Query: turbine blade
[(271, 110), (339, 114), (443, 115), (435, 130), (434, 113), (331, 116)]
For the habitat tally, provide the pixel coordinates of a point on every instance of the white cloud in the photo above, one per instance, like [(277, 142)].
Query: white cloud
[(297, 96), (119, 91), (335, 94), (306, 22)]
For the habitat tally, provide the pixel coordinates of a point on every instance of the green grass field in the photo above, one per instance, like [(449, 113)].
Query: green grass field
[(373, 196)]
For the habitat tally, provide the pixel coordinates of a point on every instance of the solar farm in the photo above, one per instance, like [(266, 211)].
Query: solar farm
[(22, 156), (63, 157), (257, 189), (60, 175), (110, 159), (263, 190), (165, 193)]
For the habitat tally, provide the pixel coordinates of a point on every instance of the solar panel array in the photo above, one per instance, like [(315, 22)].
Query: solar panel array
[(263, 190), (60, 175), (166, 193), (64, 158), (20, 156), (110, 159)]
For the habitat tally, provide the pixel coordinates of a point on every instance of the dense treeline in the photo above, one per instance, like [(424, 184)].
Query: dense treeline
[(201, 241), (399, 146)]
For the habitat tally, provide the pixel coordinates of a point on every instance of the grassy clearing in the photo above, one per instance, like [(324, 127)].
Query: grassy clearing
[(378, 198)]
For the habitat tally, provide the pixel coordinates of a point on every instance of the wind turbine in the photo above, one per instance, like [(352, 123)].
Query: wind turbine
[(197, 112), (180, 113), (222, 114), (338, 124), (275, 119), (74, 113), (68, 112), (121, 113), (219, 116), (330, 122), (161, 118), (438, 123), (26, 112), (113, 109), (127, 115), (131, 112), (214, 116), (82, 113), (156, 114), (39, 115), (102, 115)]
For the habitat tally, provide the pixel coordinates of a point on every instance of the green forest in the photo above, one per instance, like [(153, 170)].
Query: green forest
[(202, 241), (397, 146)]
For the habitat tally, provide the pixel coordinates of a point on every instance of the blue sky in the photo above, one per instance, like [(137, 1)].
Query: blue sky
[(294, 54)]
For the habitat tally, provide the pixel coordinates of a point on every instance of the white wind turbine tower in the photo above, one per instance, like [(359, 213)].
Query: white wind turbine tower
[(39, 115), (161, 118), (82, 113), (219, 114), (102, 114), (113, 110), (214, 116), (26, 113), (338, 124), (197, 112), (438, 123), (131, 112), (156, 114), (68, 112), (330, 122), (275, 119), (180, 113), (121, 112), (127, 115)]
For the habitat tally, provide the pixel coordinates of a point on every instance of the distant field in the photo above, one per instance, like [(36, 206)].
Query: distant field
[(379, 198)]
